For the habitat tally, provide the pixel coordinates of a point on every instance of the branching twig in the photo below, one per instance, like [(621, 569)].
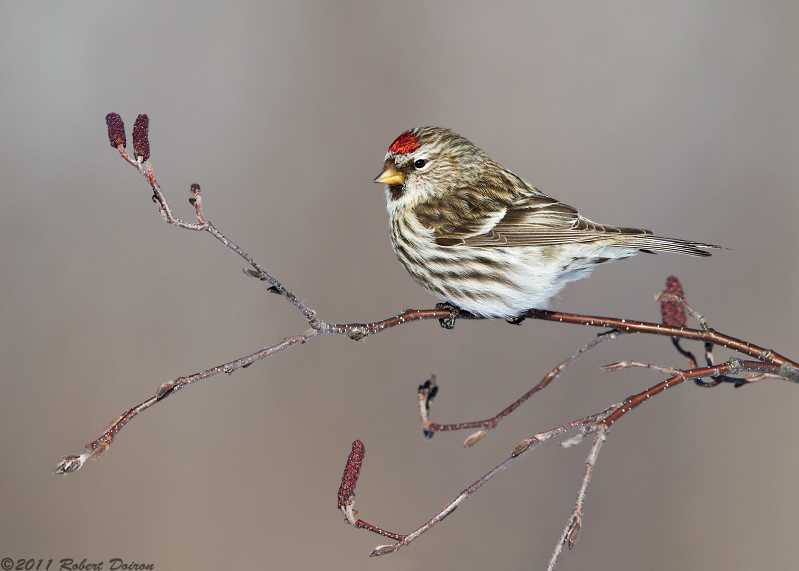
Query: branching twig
[(425, 398), (521, 449), (767, 365), (599, 423), (357, 331), (575, 523)]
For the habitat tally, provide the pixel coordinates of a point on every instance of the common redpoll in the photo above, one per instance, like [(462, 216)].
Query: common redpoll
[(482, 239)]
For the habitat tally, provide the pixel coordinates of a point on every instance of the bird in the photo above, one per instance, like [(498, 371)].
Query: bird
[(486, 241)]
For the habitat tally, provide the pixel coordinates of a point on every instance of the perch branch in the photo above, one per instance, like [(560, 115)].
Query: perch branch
[(360, 331)]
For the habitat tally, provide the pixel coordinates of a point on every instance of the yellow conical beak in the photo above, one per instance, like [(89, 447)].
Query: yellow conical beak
[(390, 176)]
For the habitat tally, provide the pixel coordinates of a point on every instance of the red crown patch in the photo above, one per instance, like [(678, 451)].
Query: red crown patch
[(405, 143)]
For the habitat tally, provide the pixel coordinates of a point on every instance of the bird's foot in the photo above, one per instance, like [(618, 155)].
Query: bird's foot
[(454, 310), (516, 320)]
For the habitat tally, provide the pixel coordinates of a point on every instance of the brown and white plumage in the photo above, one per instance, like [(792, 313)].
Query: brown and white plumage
[(481, 238)]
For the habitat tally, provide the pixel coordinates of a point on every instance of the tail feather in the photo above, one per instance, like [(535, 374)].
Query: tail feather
[(659, 244)]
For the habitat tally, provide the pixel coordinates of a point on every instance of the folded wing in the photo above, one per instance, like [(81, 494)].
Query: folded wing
[(538, 220)]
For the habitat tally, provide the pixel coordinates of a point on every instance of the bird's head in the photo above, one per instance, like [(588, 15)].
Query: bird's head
[(426, 163)]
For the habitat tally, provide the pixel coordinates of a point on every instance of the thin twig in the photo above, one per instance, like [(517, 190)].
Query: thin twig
[(430, 427), (196, 201), (575, 522), (733, 366), (636, 364), (521, 449), (630, 326), (600, 423)]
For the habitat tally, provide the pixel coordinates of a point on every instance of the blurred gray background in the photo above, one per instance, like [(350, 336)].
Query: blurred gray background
[(681, 117)]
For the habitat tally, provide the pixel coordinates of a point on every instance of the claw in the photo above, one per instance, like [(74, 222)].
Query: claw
[(454, 310)]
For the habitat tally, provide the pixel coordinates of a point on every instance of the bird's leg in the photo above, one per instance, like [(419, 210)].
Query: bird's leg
[(454, 310), (516, 320)]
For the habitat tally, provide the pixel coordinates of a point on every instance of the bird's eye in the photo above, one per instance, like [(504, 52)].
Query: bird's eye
[(419, 163)]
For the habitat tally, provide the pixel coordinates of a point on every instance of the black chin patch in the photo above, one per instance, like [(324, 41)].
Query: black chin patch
[(396, 191)]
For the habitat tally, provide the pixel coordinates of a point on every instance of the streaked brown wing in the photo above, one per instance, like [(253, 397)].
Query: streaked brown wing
[(533, 220)]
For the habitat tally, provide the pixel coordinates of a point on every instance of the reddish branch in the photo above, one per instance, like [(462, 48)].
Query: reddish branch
[(360, 331), (427, 392), (598, 423), (765, 364)]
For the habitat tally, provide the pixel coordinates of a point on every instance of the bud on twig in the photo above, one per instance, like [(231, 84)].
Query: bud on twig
[(195, 195), (100, 450), (164, 389), (673, 313), (141, 144), (383, 550), (116, 130), (475, 437), (68, 464), (351, 471), (525, 445), (571, 537)]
